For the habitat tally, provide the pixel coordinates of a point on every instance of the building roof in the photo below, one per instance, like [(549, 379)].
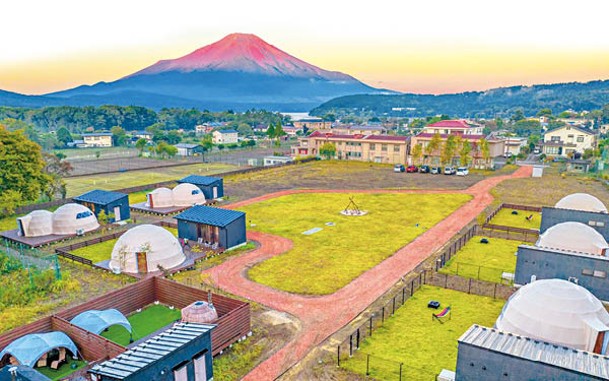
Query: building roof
[(330, 135), (152, 350), (537, 351), (99, 196), (580, 129), (573, 236), (453, 124), (228, 131), (200, 180), (185, 145), (581, 201), (97, 134), (444, 136), (390, 138), (556, 311), (209, 216), (351, 127)]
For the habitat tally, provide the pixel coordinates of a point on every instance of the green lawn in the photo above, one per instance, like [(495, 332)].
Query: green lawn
[(425, 346), (484, 261), (9, 223), (143, 323), (102, 251), (113, 181), (64, 370), (326, 261), (506, 218), (137, 197)]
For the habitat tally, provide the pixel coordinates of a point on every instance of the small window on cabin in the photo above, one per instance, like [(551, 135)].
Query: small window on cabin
[(592, 223), (196, 191), (600, 274), (588, 272), (600, 224)]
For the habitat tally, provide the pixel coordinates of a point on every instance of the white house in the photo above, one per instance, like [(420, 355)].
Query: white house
[(565, 140), (99, 139), (225, 136)]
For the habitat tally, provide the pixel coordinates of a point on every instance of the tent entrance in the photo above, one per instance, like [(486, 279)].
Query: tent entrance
[(142, 262)]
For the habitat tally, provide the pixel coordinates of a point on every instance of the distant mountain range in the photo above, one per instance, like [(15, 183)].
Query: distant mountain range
[(496, 102), (239, 72)]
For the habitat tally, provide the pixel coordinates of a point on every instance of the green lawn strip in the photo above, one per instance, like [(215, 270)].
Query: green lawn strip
[(506, 218), (103, 251), (143, 323), (64, 370), (484, 261), (328, 260), (138, 197), (9, 223), (424, 345)]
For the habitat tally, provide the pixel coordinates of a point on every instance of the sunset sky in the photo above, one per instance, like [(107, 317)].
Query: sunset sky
[(413, 46)]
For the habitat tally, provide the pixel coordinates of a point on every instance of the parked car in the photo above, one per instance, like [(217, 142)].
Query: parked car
[(462, 171), (398, 168), (449, 170), (536, 151), (424, 169), (435, 170), (412, 169)]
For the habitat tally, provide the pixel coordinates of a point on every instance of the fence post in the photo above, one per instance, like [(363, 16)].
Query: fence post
[(367, 365), (469, 289), (403, 298), (401, 364), (351, 345), (371, 325), (338, 356), (357, 340), (411, 287), (383, 315), (393, 309)]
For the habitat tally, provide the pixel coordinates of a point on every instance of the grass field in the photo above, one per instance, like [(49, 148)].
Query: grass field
[(425, 346), (328, 260), (102, 251), (64, 370), (143, 323), (484, 261), (505, 218), (137, 197), (113, 181)]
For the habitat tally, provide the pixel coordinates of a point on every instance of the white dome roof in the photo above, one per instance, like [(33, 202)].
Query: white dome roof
[(69, 218), (555, 311), (162, 248), (186, 194), (161, 198), (573, 236), (582, 201), (37, 223)]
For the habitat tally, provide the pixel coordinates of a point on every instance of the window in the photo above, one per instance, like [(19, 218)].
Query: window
[(196, 191), (599, 224), (555, 138), (588, 272), (384, 147), (580, 138), (372, 147), (396, 148), (83, 215), (600, 274)]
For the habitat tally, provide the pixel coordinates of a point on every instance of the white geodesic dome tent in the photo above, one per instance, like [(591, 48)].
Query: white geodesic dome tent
[(159, 198), (161, 248), (35, 224), (556, 311), (73, 218), (186, 194), (573, 236), (582, 201)]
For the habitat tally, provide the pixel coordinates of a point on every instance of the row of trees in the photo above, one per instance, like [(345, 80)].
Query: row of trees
[(453, 146)]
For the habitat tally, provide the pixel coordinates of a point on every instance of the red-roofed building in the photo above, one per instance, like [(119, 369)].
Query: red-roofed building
[(375, 148), (459, 127)]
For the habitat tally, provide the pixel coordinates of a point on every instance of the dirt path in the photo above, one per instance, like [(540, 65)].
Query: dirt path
[(323, 315)]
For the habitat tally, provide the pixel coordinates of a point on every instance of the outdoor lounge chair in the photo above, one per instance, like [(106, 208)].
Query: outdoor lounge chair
[(62, 355), (443, 314), (55, 364), (42, 361)]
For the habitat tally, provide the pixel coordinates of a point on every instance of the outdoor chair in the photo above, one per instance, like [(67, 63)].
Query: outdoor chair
[(42, 361), (55, 364), (62, 355), (446, 312)]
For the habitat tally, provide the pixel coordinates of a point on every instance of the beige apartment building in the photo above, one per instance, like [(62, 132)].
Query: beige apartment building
[(373, 148), (100, 139)]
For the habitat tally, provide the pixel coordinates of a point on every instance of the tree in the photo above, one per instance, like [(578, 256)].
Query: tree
[(327, 150), (279, 133), (64, 136), (544, 112), (119, 136), (141, 144), (433, 145), (417, 153), (464, 153), (245, 129), (22, 178), (517, 115), (270, 132), (485, 150), (170, 150), (56, 168), (448, 150)]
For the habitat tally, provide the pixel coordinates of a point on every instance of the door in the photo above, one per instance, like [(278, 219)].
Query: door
[(149, 199), (181, 374), (117, 213), (215, 192), (200, 369), (142, 262)]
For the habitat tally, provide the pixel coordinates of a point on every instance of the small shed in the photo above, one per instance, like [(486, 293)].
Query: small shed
[(185, 149), (214, 226), (212, 187), (276, 160), (111, 202), (181, 353)]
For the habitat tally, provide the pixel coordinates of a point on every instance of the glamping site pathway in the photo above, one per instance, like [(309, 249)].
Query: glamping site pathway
[(321, 316)]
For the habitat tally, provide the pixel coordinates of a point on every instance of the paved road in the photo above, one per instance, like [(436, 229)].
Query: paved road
[(323, 315)]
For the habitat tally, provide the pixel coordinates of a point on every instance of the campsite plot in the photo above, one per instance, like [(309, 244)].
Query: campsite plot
[(424, 345), (143, 323), (326, 261), (505, 218), (484, 261)]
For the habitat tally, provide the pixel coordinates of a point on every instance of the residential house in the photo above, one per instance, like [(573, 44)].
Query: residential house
[(202, 129), (185, 149), (97, 139), (312, 123), (375, 148), (225, 136), (566, 141), (142, 135)]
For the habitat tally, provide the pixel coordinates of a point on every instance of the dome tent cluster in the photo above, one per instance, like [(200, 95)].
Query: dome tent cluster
[(68, 219), (184, 194)]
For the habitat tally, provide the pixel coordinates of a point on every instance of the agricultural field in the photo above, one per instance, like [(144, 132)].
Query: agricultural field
[(323, 262), (103, 250), (424, 345), (484, 261), (505, 217), (143, 323), (114, 181)]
